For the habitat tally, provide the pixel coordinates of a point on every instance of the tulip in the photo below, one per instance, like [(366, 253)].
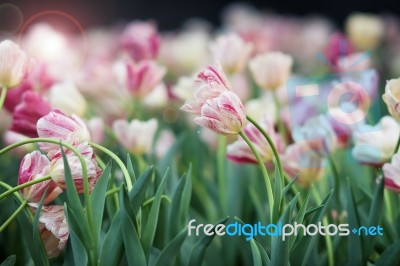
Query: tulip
[(26, 114), (53, 227), (14, 96), (209, 84), (11, 137), (57, 170), (300, 160), (66, 97), (232, 52), (392, 97), (240, 152), (338, 47), (137, 136), (183, 88), (271, 70), (142, 78), (14, 64), (224, 114), (34, 166), (374, 145), (365, 31), (96, 129), (391, 172), (141, 40), (164, 143), (57, 125)]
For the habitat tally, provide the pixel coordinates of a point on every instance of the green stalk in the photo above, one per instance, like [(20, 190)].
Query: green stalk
[(17, 196), (397, 146), (27, 184), (117, 160), (13, 216), (264, 173), (221, 153), (3, 97)]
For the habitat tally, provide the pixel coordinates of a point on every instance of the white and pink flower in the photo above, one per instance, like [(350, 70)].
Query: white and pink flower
[(391, 172), (392, 97)]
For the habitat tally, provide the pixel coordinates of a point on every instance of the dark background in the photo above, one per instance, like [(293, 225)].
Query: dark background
[(170, 14)]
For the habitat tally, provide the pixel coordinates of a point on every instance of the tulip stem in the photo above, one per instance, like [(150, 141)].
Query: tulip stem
[(264, 173), (221, 153), (24, 185), (149, 201), (17, 196), (118, 161), (3, 97), (397, 146), (13, 216)]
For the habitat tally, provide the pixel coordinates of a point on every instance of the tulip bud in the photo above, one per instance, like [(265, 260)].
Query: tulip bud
[(14, 64), (33, 166)]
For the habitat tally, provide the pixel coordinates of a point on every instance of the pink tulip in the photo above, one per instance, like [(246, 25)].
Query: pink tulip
[(14, 96), (164, 142), (53, 228), (27, 113), (143, 78), (299, 159), (391, 173), (224, 114), (57, 125), (57, 170), (11, 137), (14, 64), (240, 152), (209, 85), (338, 47), (96, 129), (141, 40), (36, 165)]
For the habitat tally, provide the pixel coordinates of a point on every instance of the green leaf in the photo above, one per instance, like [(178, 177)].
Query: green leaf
[(354, 241), (199, 250), (131, 171), (390, 256), (150, 229), (138, 192), (98, 198), (300, 218), (312, 210), (133, 249), (277, 195), (39, 248), (257, 259), (9, 261), (264, 256), (112, 248), (289, 185), (169, 253), (78, 250)]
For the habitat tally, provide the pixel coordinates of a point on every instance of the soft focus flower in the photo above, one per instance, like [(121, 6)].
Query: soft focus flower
[(11, 137), (96, 129), (392, 97), (224, 114), (232, 52), (14, 64), (57, 170), (298, 159), (137, 136), (53, 228), (57, 125), (364, 30), (34, 166), (209, 84), (28, 112), (271, 70), (141, 40), (262, 106), (374, 145), (158, 97), (353, 62), (391, 173), (183, 88), (240, 152), (143, 78), (338, 47), (66, 97), (164, 143), (14, 96)]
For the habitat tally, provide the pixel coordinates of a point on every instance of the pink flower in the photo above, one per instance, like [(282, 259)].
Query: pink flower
[(141, 40), (164, 142), (299, 159), (392, 97), (11, 137), (57, 170), (57, 125), (391, 173), (240, 152), (28, 112), (53, 228), (96, 129), (143, 78), (36, 165), (224, 114), (14, 64), (14, 96), (209, 84), (137, 136), (338, 47)]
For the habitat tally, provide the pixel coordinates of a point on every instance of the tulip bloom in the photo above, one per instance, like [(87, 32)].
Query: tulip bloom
[(391, 172), (14, 64), (66, 97), (365, 31), (36, 165), (374, 145), (271, 70), (137, 136), (141, 41), (53, 228), (28, 112), (392, 97), (240, 152), (142, 78), (232, 52)]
